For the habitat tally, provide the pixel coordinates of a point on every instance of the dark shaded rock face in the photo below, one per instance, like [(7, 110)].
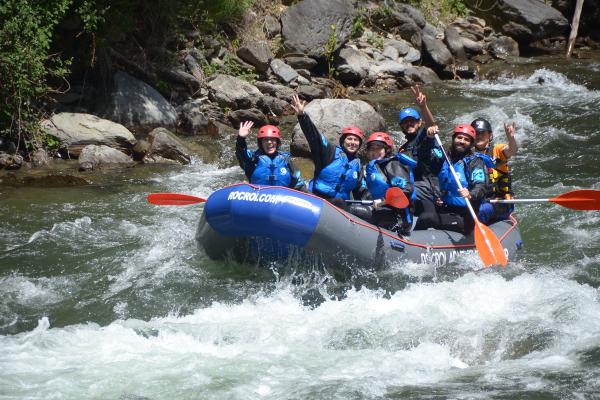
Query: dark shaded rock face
[(307, 25), (528, 20)]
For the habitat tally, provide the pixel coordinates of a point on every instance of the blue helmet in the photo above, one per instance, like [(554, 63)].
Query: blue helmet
[(409, 113)]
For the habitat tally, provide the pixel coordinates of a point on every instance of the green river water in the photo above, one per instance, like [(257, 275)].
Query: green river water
[(103, 296)]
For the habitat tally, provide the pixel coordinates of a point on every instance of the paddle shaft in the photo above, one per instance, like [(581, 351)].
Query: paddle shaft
[(478, 225), (513, 201), (453, 172)]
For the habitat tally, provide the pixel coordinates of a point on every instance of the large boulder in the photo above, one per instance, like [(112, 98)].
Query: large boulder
[(524, 20), (229, 91), (256, 53), (307, 26), (93, 156), (167, 148), (331, 115), (137, 105), (75, 131), (352, 65)]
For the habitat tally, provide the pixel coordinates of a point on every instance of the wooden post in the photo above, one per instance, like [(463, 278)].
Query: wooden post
[(574, 27)]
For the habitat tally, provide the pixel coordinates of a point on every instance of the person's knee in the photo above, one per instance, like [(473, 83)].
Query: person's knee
[(486, 213)]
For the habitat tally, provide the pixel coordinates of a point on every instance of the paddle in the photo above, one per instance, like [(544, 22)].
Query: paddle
[(487, 244), (584, 199), (394, 197), (173, 199)]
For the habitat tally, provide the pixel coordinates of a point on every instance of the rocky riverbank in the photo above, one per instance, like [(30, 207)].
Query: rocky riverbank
[(327, 51)]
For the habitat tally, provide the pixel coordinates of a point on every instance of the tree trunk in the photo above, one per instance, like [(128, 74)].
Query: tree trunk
[(574, 27)]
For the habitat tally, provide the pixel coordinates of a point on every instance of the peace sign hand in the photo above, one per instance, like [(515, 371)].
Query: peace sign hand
[(420, 97), (245, 128)]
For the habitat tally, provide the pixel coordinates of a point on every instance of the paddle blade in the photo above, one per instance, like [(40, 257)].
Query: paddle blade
[(489, 247), (173, 199), (585, 199), (396, 198)]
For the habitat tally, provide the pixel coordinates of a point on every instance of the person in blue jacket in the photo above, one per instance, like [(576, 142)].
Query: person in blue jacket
[(422, 147), (267, 165), (385, 170), (337, 167), (471, 170)]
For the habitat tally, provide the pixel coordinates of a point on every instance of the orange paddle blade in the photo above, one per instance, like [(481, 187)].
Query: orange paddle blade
[(585, 199), (396, 198), (489, 247), (173, 199)]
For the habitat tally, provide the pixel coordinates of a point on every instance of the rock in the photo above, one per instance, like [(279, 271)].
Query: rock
[(283, 71), (10, 161), (137, 105), (436, 51), (310, 92), (75, 131), (503, 47), (253, 114), (386, 69), (418, 74), (271, 26), (413, 56), (276, 90), (272, 106), (257, 54), (528, 20), (472, 47), (300, 62), (306, 26), (402, 46), (166, 146), (195, 115), (93, 156), (40, 158), (454, 42), (229, 91), (141, 148), (401, 24), (331, 115), (390, 53), (352, 65)]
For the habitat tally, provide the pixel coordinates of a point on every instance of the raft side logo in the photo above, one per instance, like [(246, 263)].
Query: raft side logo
[(442, 258), (271, 198), (258, 197)]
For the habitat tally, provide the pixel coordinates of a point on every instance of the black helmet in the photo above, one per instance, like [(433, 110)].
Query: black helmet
[(481, 125)]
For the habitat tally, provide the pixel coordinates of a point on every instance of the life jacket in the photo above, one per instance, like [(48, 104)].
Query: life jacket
[(339, 178), (426, 160), (501, 182), (466, 176), (377, 181), (271, 171)]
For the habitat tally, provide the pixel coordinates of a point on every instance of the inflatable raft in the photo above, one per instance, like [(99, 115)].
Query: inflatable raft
[(260, 223)]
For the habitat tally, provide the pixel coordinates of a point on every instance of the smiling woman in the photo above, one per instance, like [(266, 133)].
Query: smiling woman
[(267, 165)]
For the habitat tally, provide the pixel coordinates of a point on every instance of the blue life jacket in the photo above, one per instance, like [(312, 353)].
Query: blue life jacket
[(448, 184), (271, 171), (377, 182), (339, 178)]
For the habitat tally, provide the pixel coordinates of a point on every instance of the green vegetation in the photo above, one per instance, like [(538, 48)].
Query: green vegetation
[(330, 47), (41, 42), (231, 67), (440, 10)]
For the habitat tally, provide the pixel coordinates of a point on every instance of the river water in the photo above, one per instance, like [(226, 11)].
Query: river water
[(104, 296)]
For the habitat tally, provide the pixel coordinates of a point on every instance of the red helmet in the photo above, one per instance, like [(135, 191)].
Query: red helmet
[(381, 137), (352, 130), (465, 129), (269, 131)]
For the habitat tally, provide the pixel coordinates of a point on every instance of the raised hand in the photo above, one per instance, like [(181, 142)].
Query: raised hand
[(245, 128), (298, 105), (509, 129), (420, 97), (432, 130)]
